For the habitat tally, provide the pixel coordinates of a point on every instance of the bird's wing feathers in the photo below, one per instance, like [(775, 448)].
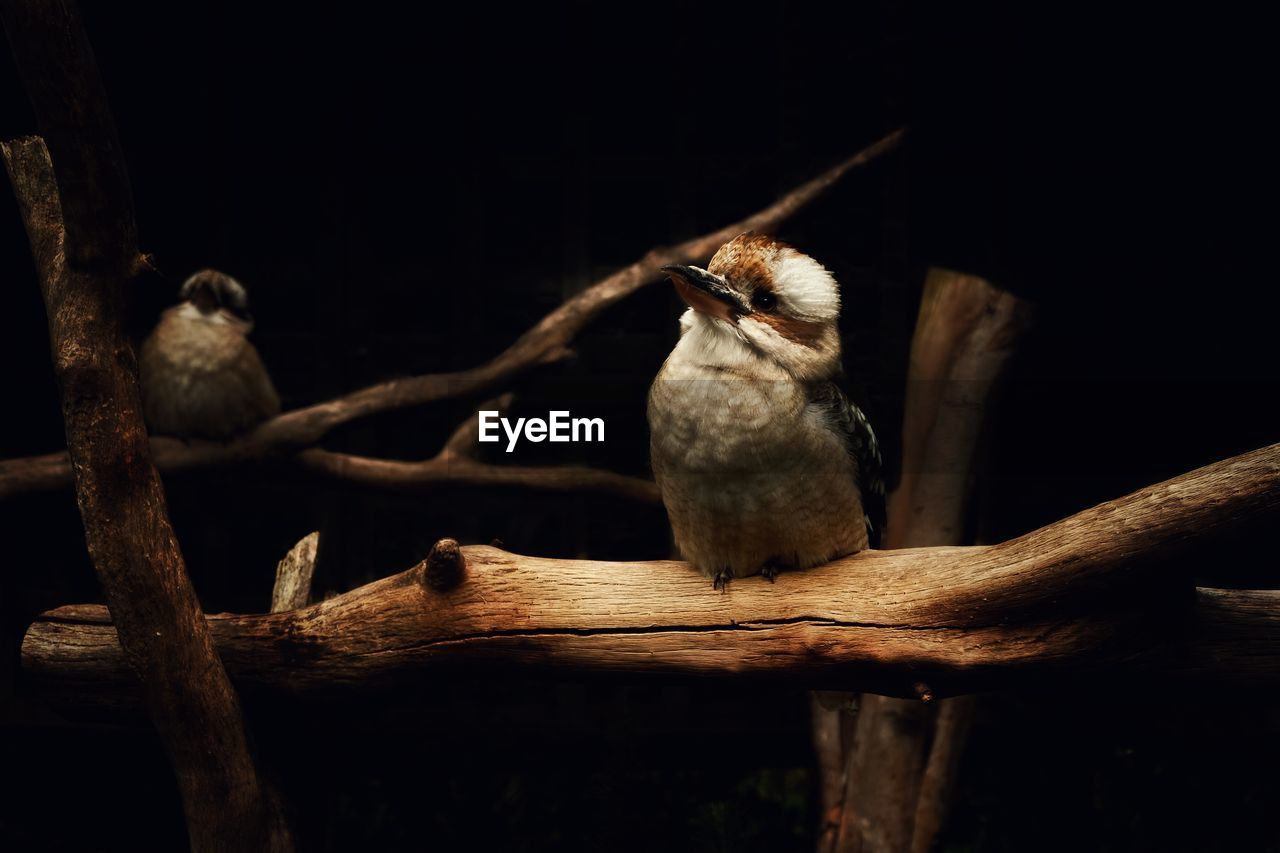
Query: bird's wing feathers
[(860, 439), (260, 397)]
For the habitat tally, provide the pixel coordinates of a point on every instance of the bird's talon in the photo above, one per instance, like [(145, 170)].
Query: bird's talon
[(770, 570)]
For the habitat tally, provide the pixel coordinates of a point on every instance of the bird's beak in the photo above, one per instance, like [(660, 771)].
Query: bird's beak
[(706, 293)]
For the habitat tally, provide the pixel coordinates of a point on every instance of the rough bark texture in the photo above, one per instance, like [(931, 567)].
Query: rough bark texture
[(131, 543), (883, 772), (386, 633), (1081, 594), (546, 342), (292, 588), (445, 567), (905, 753), (78, 212), (965, 335)]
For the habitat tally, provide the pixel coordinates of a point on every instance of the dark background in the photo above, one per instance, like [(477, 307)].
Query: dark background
[(404, 193)]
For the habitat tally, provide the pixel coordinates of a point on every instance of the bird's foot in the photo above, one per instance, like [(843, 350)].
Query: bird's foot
[(721, 580), (771, 569)]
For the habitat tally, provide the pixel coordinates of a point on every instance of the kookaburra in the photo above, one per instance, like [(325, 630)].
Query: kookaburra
[(200, 376), (763, 463)]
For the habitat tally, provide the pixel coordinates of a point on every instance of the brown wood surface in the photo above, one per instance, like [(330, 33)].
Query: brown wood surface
[(292, 588), (965, 335), (1082, 593)]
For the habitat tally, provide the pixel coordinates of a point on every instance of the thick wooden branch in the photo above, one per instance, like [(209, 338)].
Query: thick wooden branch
[(966, 333), (544, 343), (162, 630), (957, 619), (79, 217)]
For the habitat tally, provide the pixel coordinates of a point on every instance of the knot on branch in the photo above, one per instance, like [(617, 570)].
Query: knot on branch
[(445, 566)]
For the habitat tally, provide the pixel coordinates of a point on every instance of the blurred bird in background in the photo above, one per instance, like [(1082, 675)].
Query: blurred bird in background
[(763, 463), (200, 375)]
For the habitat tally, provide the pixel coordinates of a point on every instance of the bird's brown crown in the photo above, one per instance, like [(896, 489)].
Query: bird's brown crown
[(747, 260)]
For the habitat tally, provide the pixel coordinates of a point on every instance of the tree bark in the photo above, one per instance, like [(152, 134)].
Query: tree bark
[(78, 212), (384, 634), (1082, 594), (897, 784), (883, 773), (292, 588)]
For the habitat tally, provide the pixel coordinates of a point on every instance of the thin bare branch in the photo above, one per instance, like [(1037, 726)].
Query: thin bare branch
[(456, 465), (432, 473), (546, 342)]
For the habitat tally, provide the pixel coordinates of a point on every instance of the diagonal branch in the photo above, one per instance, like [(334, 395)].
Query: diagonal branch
[(1059, 599), (162, 630), (78, 212), (546, 342)]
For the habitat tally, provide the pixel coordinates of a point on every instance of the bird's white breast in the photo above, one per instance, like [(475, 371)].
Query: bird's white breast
[(749, 472), (201, 377)]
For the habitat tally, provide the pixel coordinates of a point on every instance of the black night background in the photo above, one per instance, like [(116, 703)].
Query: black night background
[(405, 190)]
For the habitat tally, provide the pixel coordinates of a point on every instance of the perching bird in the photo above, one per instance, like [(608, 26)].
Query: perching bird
[(200, 376), (763, 463)]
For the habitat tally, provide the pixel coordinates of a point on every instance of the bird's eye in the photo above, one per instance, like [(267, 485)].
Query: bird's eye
[(764, 300)]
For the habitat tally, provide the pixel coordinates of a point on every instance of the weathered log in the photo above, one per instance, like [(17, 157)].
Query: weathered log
[(1082, 593), (546, 342)]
